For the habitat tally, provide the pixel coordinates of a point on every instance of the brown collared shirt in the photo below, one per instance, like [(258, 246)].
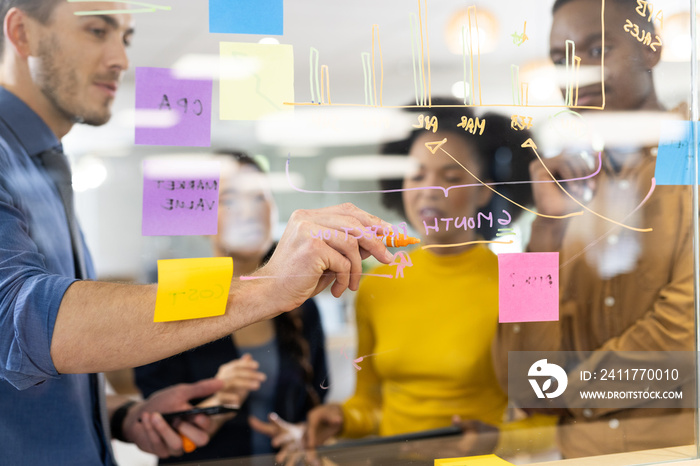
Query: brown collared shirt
[(620, 290)]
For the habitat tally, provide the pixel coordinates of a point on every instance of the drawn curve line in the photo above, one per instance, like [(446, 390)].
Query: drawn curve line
[(604, 235), (258, 84), (149, 8), (578, 107), (641, 230), (261, 277), (366, 73), (580, 212), (354, 363), (413, 22), (115, 12), (445, 191), (427, 48), (431, 246), (362, 358), (313, 52)]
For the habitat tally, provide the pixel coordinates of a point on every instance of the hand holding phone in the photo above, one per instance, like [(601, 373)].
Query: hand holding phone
[(208, 411)]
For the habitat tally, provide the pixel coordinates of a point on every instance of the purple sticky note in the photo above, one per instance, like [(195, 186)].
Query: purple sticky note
[(528, 287), (180, 197), (172, 111)]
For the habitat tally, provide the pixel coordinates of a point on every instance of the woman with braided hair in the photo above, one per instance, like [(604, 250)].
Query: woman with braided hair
[(273, 366)]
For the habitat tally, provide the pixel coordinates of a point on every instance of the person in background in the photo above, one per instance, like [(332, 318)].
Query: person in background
[(425, 339), (272, 366), (620, 290)]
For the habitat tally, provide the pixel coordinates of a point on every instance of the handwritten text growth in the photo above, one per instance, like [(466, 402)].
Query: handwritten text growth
[(368, 232), (466, 223)]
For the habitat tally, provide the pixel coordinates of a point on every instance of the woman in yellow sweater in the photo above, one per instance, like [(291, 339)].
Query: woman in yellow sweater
[(425, 339)]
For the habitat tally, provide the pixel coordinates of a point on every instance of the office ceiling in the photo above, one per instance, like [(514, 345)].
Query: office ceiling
[(341, 31)]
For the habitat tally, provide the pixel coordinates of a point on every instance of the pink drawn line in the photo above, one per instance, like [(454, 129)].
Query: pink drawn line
[(444, 190), (604, 235), (259, 277), (361, 358), (354, 363), (431, 246)]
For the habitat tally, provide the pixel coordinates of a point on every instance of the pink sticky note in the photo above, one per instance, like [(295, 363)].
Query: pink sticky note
[(180, 197), (528, 287), (172, 111)]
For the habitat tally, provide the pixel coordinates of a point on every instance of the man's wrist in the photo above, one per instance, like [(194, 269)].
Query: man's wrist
[(116, 424), (253, 300)]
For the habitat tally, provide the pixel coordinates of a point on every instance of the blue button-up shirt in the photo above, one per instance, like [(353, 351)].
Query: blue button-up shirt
[(45, 417)]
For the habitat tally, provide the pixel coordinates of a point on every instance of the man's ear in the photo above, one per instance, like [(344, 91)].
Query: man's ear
[(652, 58), (16, 28)]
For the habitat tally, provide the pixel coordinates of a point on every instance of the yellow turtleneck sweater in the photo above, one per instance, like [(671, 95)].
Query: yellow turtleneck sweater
[(426, 341), (429, 336)]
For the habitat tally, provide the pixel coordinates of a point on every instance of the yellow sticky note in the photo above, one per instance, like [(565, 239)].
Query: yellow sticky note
[(192, 288), (255, 80), (483, 460)]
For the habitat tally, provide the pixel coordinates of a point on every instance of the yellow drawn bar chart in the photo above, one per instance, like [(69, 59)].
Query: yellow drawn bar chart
[(373, 72)]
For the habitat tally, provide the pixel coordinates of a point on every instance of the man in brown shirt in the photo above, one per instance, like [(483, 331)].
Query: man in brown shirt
[(620, 290)]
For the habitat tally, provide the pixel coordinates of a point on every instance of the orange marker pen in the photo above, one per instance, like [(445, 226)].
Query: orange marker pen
[(187, 445), (401, 241)]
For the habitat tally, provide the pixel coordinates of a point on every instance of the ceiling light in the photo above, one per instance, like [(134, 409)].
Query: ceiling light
[(325, 126), (215, 67), (676, 37), (541, 77), (371, 167), (152, 118), (486, 33), (268, 41), (460, 90), (89, 173)]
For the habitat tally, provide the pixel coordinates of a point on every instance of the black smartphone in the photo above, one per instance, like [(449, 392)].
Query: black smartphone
[(209, 411)]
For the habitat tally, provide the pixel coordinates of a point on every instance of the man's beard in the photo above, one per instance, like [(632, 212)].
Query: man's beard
[(60, 86)]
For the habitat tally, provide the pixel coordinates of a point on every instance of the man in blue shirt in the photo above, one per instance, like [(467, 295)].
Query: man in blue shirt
[(58, 68)]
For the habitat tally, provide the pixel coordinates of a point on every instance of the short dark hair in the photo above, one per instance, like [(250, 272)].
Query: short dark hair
[(500, 158), (241, 157), (40, 10), (621, 3), (559, 3)]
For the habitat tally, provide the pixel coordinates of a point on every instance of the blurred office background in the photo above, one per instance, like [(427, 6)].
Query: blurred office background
[(328, 148)]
